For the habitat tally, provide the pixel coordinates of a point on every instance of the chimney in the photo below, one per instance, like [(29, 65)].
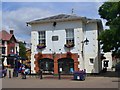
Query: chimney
[(11, 31)]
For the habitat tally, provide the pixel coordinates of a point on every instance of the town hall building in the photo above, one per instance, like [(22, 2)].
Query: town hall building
[(65, 43)]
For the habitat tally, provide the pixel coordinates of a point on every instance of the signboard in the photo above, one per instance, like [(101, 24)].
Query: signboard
[(78, 77), (60, 69)]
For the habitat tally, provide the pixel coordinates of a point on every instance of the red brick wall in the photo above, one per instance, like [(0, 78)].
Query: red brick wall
[(74, 56)]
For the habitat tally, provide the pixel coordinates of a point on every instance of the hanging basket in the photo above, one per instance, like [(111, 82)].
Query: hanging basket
[(69, 45), (69, 55), (40, 46)]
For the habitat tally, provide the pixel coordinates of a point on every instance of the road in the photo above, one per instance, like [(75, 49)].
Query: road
[(33, 82)]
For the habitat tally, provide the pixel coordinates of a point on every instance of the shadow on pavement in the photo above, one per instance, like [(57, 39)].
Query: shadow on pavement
[(107, 74)]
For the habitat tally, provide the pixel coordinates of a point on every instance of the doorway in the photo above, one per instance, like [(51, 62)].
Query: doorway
[(47, 65), (66, 65)]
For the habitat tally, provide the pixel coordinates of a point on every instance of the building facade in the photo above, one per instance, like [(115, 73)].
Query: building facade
[(108, 62), (65, 43), (8, 45)]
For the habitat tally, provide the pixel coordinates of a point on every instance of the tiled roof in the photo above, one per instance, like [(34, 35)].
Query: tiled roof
[(4, 35), (62, 17), (59, 17), (65, 17)]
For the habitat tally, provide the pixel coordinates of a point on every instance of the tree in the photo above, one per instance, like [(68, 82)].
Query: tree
[(110, 38), (22, 50)]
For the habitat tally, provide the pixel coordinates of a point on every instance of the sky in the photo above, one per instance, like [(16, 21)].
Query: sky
[(16, 14)]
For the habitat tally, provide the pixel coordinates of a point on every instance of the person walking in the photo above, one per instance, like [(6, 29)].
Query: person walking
[(23, 72)]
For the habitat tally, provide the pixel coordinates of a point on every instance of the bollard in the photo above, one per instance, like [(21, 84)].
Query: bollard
[(41, 74), (59, 75), (9, 74), (23, 76)]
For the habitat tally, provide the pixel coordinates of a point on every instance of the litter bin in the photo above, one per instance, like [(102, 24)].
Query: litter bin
[(79, 75)]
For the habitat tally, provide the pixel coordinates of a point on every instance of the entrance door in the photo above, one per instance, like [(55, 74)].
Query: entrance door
[(47, 65), (66, 65)]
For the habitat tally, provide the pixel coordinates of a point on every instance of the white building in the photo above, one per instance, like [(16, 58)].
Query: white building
[(107, 61), (67, 43)]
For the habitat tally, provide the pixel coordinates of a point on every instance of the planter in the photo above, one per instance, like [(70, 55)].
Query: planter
[(69, 45), (40, 46), (69, 55)]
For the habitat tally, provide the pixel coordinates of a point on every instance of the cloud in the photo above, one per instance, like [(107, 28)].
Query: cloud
[(15, 15), (55, 0), (17, 19)]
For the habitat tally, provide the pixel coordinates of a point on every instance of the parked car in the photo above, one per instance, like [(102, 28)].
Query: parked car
[(117, 67)]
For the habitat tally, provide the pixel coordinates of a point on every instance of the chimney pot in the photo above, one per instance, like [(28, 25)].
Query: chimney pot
[(11, 31)]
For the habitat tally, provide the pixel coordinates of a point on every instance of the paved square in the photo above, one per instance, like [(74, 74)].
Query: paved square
[(33, 82)]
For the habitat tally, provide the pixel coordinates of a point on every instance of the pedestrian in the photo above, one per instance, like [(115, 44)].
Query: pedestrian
[(23, 72)]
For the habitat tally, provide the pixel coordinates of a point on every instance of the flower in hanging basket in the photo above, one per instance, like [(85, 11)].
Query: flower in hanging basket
[(69, 44), (41, 46)]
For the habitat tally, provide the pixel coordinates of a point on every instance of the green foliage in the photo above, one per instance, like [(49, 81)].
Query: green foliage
[(22, 50), (110, 39)]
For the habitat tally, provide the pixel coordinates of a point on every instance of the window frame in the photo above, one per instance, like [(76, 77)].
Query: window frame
[(56, 39), (90, 61), (70, 35), (42, 37)]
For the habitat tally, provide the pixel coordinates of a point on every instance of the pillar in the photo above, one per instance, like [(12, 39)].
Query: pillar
[(55, 66)]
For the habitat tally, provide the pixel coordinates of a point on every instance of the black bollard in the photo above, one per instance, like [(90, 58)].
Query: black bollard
[(9, 74), (59, 75), (41, 74), (23, 75)]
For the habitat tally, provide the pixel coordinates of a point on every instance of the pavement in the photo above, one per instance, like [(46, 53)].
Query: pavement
[(105, 80)]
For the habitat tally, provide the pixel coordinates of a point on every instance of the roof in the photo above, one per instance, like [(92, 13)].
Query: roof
[(4, 35), (62, 17), (59, 17)]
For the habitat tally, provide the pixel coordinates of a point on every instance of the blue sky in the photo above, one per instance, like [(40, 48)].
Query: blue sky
[(16, 14)]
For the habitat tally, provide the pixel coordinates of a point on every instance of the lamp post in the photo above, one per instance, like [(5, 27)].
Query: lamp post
[(86, 43), (60, 69)]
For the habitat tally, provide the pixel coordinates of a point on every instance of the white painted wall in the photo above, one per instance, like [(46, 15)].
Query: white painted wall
[(59, 25), (91, 50)]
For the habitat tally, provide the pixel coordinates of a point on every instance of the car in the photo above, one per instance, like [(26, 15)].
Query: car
[(117, 67)]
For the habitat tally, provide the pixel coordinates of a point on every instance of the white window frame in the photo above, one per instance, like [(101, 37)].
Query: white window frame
[(69, 35), (93, 61), (42, 37)]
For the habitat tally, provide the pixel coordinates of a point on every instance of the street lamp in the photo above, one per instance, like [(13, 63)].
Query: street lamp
[(86, 43)]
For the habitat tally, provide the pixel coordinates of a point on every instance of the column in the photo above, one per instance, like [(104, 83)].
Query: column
[(55, 66)]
